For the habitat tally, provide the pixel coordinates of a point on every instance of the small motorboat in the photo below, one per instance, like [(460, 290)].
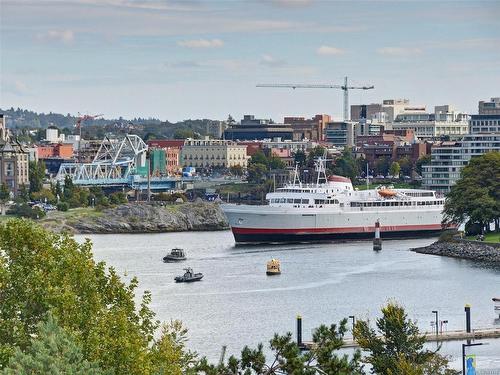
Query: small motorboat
[(273, 267), (175, 255), (189, 276)]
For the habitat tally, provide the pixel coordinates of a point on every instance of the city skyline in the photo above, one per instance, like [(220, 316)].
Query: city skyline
[(176, 60)]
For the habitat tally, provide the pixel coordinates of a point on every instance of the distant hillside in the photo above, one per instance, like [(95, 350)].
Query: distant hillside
[(150, 128)]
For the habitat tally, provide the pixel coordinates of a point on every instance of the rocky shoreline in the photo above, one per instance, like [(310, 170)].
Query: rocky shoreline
[(464, 249), (142, 218)]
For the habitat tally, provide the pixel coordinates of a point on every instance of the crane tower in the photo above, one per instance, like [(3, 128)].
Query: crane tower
[(345, 87)]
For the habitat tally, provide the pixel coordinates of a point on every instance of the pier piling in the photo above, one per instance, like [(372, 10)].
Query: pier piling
[(299, 331)]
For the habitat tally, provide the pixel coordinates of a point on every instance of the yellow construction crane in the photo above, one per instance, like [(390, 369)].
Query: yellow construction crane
[(345, 87)]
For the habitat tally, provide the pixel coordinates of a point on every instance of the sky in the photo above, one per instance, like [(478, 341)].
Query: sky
[(182, 59)]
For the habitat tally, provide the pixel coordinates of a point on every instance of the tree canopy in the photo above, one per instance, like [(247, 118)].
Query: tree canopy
[(43, 272), (397, 345), (287, 358), (476, 195)]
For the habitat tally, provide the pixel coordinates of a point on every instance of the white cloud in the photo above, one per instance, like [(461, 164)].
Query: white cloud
[(329, 50), (399, 51), (272, 62), (64, 36), (201, 43)]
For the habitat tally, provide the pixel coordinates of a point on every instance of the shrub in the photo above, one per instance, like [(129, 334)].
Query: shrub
[(62, 206)]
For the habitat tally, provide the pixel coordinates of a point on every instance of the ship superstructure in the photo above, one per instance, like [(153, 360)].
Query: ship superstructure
[(331, 208)]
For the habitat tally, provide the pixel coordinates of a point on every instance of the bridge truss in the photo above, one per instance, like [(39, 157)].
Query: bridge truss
[(115, 163)]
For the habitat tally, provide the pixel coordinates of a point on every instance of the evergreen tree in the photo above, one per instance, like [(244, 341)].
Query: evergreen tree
[(397, 345)]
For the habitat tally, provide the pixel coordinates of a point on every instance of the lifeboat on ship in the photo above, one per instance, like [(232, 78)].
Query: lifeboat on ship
[(387, 193)]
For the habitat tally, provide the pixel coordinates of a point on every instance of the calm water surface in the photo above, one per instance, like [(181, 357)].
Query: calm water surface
[(236, 304)]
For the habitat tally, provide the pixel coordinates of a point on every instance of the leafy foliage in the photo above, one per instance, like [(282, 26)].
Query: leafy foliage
[(36, 175), (42, 272), (395, 169), (288, 359), (476, 195), (397, 346), (53, 351), (346, 165)]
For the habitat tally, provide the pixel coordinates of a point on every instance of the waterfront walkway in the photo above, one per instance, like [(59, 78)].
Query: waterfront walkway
[(476, 334)]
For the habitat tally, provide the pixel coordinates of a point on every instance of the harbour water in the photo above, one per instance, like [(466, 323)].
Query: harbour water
[(236, 304)]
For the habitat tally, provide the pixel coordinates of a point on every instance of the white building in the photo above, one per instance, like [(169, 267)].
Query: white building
[(445, 121), (448, 158), (490, 108), (52, 135)]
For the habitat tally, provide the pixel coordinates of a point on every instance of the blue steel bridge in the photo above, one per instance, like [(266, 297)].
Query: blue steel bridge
[(116, 164)]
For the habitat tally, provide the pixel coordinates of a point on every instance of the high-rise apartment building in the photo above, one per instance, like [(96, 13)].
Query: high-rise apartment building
[(490, 108), (448, 158)]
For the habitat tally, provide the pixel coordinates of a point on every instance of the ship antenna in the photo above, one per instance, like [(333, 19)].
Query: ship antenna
[(367, 180)]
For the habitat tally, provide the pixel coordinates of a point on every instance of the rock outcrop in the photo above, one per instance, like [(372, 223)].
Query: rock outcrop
[(480, 251), (146, 218)]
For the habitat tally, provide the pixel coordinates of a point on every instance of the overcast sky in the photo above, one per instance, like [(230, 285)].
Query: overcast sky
[(180, 59)]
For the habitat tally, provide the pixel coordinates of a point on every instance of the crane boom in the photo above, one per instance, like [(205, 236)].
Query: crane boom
[(343, 87)]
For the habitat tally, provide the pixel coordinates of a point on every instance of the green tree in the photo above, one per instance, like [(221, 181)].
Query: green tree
[(275, 162), (476, 195), (257, 172), (423, 160), (382, 165), (346, 165), (397, 345), (236, 170), (300, 158), (259, 158), (44, 195), (36, 175), (288, 359), (4, 196), (23, 196), (395, 169), (43, 272), (313, 154), (53, 351), (184, 133), (406, 165)]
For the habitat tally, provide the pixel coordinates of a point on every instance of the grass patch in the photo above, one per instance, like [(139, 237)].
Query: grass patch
[(489, 237)]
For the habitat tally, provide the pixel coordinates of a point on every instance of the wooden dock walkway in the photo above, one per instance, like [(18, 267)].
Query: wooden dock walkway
[(476, 334)]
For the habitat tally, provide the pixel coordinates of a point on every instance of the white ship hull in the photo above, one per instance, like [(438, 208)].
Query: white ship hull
[(265, 224)]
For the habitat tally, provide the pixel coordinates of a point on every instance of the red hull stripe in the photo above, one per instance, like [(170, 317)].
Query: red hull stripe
[(390, 228)]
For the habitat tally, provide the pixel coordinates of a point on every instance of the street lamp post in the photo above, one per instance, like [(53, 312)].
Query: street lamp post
[(437, 321), (353, 321), (463, 354)]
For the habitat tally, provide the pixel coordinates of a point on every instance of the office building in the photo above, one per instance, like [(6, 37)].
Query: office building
[(308, 129), (341, 133), (445, 121), (251, 128), (490, 108), (448, 158)]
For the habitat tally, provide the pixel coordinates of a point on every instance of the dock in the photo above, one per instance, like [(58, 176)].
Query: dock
[(459, 335)]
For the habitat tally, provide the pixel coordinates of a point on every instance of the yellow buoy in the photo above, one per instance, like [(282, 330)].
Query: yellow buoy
[(273, 267)]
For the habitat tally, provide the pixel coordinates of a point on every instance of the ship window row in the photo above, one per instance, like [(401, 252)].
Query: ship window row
[(420, 194), (304, 201), (396, 203)]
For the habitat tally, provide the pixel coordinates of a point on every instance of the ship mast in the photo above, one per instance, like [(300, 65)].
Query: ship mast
[(320, 167)]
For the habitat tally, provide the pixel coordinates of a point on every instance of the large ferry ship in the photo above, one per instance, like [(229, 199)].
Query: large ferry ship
[(332, 209)]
